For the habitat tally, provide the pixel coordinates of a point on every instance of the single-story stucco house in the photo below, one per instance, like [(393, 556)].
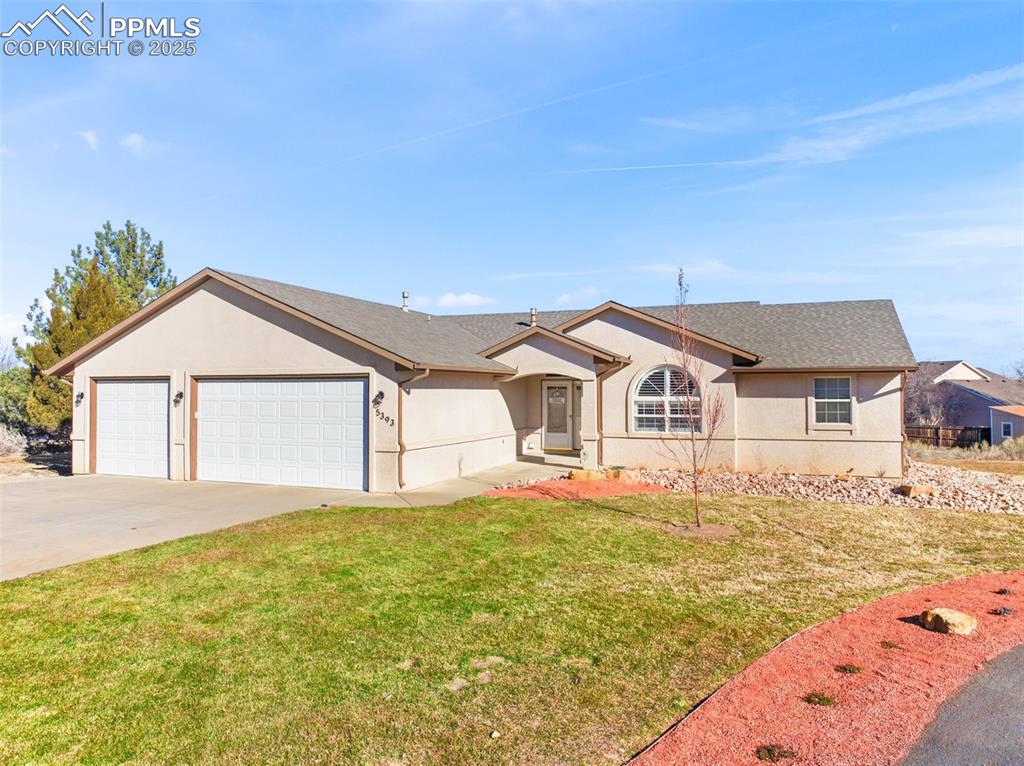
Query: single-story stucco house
[(234, 378)]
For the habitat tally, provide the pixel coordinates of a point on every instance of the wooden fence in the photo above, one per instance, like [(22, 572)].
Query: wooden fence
[(948, 436)]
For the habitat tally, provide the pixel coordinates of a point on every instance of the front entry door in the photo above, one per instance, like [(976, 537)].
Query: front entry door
[(558, 416)]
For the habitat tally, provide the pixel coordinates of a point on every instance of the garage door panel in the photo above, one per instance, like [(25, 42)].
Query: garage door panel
[(132, 427), (308, 432)]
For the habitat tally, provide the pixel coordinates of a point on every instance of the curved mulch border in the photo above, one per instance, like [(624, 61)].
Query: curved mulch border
[(878, 713), (561, 489)]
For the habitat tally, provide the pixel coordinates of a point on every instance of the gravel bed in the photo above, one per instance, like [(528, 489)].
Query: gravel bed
[(955, 488)]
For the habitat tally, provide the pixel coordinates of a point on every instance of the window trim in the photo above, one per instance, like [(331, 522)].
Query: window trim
[(666, 400), (1002, 429), (812, 410)]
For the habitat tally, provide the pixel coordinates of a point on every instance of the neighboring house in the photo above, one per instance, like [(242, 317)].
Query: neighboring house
[(1007, 423), (965, 393), (233, 378)]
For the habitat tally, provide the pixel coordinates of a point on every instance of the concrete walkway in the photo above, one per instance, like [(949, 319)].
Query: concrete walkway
[(51, 522), (982, 724)]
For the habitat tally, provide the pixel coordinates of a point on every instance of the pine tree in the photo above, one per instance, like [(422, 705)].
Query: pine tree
[(122, 272), (133, 264)]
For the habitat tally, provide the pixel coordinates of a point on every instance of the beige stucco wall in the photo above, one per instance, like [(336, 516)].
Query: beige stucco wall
[(536, 359), (777, 429), (215, 330), (648, 347), (768, 417), (455, 423)]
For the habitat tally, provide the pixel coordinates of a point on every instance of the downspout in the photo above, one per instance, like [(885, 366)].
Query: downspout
[(600, 407), (401, 423), (903, 423)]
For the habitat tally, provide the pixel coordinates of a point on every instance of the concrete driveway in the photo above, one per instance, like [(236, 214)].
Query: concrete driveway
[(51, 522)]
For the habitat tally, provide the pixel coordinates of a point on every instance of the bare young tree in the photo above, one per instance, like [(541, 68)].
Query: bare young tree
[(927, 403), (696, 409)]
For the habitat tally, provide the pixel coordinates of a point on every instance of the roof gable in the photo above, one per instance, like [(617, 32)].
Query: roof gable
[(407, 338)]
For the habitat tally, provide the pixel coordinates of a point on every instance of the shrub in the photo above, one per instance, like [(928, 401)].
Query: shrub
[(849, 668), (774, 753), (11, 441), (1013, 449), (1005, 592), (817, 698), (889, 645), (1003, 611)]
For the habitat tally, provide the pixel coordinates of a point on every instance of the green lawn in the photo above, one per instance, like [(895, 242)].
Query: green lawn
[(283, 641)]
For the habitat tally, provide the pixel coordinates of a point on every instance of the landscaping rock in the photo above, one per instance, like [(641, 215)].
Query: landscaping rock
[(952, 487), (916, 490), (581, 475), (942, 620), (632, 476)]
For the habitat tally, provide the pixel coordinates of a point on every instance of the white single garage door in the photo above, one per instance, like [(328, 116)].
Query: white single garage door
[(131, 427), (308, 432)]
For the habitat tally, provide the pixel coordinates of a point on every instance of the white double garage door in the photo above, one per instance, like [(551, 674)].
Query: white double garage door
[(301, 432)]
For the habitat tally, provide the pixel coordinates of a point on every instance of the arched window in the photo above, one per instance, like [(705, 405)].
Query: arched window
[(666, 400)]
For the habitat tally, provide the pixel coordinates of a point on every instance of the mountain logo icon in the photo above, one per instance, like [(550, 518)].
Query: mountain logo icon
[(55, 17)]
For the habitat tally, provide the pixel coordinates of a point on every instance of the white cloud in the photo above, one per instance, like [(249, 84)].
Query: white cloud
[(946, 106), (134, 142), (584, 293), (835, 144), (463, 300), (92, 140), (944, 90)]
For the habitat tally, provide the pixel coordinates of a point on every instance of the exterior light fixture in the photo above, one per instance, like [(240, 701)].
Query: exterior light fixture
[(79, 397), (178, 397), (378, 399)]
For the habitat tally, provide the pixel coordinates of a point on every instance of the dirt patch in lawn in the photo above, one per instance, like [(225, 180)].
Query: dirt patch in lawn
[(561, 489), (876, 714), (19, 467)]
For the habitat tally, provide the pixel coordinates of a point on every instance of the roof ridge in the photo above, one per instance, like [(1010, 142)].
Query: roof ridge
[(234, 274)]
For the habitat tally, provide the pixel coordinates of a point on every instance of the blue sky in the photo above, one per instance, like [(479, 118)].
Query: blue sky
[(493, 157)]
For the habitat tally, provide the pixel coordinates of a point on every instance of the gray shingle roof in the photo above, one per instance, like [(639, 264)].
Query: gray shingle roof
[(841, 334), (836, 335), (410, 334), (999, 387)]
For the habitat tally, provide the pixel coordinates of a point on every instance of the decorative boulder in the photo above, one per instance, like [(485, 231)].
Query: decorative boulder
[(580, 475), (943, 620), (916, 490), (631, 476)]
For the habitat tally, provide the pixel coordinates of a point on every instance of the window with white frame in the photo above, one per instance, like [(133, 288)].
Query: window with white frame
[(832, 404), (1007, 429), (666, 400)]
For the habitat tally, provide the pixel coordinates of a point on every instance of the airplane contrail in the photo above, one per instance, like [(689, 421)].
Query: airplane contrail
[(555, 102)]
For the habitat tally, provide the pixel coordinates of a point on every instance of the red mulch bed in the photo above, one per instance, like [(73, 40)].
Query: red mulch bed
[(560, 489), (878, 713)]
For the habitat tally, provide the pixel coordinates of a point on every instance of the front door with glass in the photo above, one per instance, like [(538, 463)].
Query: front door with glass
[(558, 416)]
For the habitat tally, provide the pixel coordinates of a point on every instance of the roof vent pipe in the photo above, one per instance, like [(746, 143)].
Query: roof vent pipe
[(405, 300), (533, 317)]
